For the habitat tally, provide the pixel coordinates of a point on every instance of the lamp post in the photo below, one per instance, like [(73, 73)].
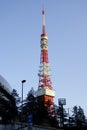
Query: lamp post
[(23, 81)]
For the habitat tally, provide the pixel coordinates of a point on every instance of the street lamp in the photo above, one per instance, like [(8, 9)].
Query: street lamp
[(23, 81)]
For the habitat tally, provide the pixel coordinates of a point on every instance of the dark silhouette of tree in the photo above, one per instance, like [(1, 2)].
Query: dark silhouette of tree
[(78, 116), (29, 106), (16, 97), (17, 103)]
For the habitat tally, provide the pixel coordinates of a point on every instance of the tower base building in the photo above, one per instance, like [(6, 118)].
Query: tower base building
[(46, 95)]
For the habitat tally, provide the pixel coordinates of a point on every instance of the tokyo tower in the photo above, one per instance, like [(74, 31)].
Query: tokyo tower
[(45, 91)]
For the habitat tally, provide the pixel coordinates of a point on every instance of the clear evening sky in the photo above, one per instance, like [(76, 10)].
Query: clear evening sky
[(66, 26)]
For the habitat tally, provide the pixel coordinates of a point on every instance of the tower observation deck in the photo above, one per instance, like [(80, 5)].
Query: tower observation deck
[(45, 89)]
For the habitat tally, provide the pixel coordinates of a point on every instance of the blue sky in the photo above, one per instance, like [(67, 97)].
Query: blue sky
[(66, 26)]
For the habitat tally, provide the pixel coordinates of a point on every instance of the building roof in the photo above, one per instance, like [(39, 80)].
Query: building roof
[(5, 84)]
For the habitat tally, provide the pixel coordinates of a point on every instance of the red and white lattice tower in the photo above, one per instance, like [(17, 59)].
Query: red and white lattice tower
[(45, 90)]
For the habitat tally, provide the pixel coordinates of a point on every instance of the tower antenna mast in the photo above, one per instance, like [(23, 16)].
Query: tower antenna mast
[(43, 21)]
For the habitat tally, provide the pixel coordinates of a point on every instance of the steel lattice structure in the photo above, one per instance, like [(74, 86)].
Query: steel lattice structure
[(45, 88)]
